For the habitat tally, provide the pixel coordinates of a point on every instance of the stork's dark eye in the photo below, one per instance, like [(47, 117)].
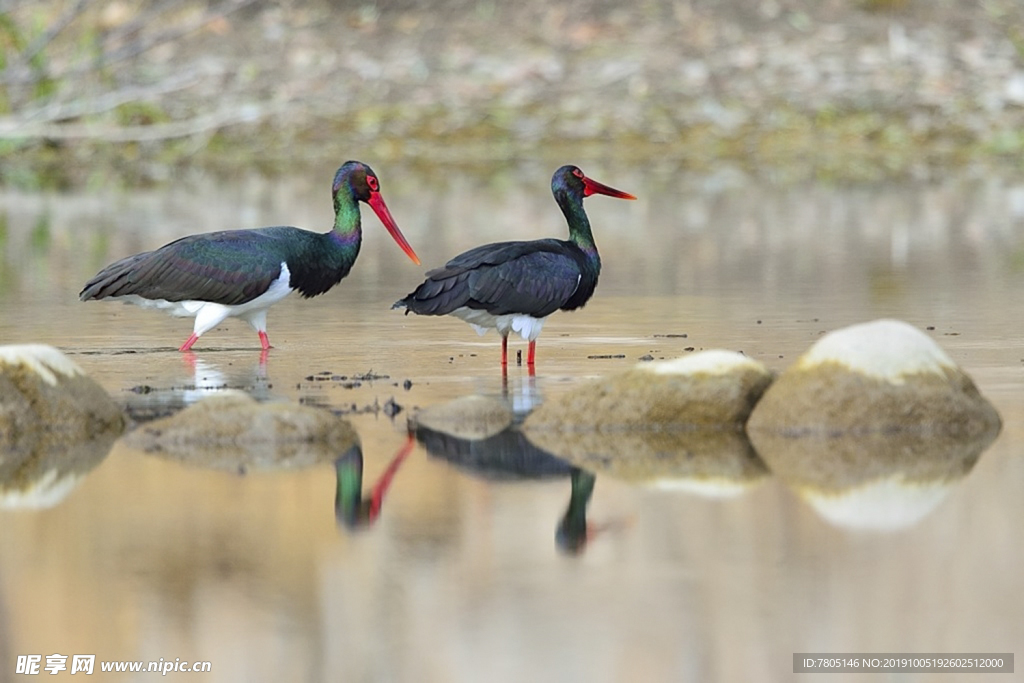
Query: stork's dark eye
[(577, 172), (372, 182)]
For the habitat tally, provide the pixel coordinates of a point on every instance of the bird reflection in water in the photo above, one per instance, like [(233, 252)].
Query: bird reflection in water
[(207, 377), (523, 398), (573, 533), (510, 456), (350, 509), (201, 378)]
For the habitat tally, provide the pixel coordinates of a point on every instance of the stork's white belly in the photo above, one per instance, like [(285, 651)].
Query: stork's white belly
[(527, 326), (209, 314)]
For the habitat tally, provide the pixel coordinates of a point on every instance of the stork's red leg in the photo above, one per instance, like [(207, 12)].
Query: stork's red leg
[(382, 485), (264, 340), (531, 354), (504, 351), (189, 342)]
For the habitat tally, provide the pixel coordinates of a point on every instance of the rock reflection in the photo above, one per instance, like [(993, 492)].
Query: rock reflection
[(34, 478), (713, 463), (873, 481), (351, 510)]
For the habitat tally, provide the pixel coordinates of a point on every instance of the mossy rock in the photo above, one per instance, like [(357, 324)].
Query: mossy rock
[(873, 425), (56, 424), (707, 390), (883, 376), (47, 399), (232, 431)]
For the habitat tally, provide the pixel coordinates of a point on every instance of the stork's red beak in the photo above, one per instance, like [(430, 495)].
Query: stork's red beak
[(376, 203), (593, 187)]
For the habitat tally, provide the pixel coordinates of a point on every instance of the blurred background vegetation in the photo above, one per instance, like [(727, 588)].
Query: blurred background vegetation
[(139, 91)]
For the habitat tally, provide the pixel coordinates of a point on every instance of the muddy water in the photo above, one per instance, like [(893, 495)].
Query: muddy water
[(460, 578)]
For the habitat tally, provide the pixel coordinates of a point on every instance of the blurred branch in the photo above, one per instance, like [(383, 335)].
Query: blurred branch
[(138, 23), (224, 116), (18, 72), (84, 87), (140, 46), (62, 111), (46, 37)]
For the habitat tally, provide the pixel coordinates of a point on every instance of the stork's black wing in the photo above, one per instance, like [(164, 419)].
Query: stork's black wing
[(230, 267), (533, 278)]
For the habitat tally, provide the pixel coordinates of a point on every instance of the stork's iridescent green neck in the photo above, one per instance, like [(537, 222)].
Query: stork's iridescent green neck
[(355, 182), (570, 200), (570, 186), (348, 231)]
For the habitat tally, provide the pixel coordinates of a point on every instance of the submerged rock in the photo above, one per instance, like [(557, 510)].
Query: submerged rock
[(56, 424), (469, 417), (232, 431), (882, 376), (707, 390)]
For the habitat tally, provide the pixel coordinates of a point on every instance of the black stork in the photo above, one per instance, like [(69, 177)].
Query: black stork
[(515, 286), (242, 273)]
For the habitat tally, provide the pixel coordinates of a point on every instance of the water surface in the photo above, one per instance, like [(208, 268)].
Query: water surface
[(460, 577)]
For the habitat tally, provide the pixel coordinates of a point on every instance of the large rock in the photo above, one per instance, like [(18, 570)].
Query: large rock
[(232, 431), (56, 424), (47, 399), (706, 390), (873, 425), (882, 376)]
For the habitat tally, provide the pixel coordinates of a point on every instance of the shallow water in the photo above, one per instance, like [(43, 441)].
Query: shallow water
[(460, 577)]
